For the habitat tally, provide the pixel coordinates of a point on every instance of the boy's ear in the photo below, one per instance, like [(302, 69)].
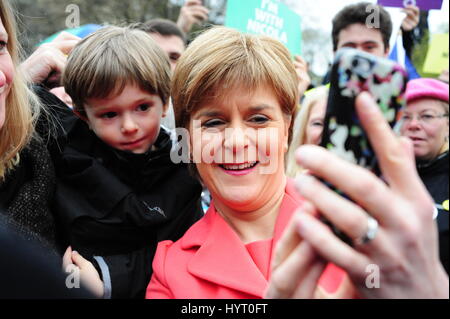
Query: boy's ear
[(165, 109)]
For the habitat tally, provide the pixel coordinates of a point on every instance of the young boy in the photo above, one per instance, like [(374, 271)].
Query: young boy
[(118, 192)]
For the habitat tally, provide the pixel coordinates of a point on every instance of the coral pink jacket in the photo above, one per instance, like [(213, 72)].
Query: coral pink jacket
[(210, 261)]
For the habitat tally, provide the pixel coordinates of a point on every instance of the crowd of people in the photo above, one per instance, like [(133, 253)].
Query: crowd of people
[(89, 130)]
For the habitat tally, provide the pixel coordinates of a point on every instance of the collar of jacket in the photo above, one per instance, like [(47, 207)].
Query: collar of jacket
[(221, 256), (440, 162), (97, 177), (139, 171)]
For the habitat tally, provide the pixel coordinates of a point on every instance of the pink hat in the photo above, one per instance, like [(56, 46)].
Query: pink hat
[(426, 88)]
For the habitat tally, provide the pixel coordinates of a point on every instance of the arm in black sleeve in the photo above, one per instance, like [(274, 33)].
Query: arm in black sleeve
[(126, 276)]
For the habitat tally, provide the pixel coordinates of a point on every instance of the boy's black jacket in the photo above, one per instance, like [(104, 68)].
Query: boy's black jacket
[(116, 204)]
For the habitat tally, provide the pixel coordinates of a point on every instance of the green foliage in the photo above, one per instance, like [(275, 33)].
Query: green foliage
[(420, 54)]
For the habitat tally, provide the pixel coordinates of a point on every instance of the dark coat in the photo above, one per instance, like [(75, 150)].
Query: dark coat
[(119, 205), (26, 194), (27, 271), (435, 177)]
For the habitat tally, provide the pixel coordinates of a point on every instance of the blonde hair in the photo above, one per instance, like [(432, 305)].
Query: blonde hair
[(106, 61), (22, 106), (300, 125), (221, 59)]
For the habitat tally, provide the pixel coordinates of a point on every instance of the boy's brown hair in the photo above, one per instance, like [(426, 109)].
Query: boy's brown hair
[(103, 63)]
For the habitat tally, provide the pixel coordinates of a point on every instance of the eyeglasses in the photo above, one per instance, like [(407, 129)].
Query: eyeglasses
[(422, 118)]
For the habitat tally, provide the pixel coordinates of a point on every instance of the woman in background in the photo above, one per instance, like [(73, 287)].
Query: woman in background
[(425, 123), (308, 126)]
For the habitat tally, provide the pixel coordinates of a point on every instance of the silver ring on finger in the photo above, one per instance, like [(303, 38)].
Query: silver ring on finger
[(372, 229)]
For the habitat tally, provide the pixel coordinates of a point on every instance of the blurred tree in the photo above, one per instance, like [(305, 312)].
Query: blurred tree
[(41, 18), (316, 38), (420, 53)]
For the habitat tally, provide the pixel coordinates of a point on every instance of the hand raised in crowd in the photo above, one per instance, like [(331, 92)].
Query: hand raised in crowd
[(412, 18), (62, 95), (301, 67), (89, 276), (402, 248), (47, 63), (192, 12)]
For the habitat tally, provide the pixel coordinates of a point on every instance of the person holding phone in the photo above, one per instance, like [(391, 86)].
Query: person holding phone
[(277, 245), (239, 92)]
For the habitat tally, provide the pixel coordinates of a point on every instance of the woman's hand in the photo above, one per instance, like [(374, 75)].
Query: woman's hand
[(46, 65), (88, 274), (296, 267), (402, 260)]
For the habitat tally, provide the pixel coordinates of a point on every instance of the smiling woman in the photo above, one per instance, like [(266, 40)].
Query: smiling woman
[(17, 105), (237, 95), (259, 238), (26, 173), (236, 178)]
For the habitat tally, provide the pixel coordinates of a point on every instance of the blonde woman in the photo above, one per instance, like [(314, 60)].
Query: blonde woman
[(16, 120), (26, 172), (308, 126)]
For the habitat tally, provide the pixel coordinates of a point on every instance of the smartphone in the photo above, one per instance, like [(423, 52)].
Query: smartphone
[(353, 72)]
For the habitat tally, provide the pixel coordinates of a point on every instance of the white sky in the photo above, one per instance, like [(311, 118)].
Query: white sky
[(319, 13), (322, 11)]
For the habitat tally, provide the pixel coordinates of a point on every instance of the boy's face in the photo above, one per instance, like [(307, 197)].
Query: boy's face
[(359, 36), (129, 121)]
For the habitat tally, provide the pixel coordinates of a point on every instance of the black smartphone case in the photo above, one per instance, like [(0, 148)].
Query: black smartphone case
[(355, 71)]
